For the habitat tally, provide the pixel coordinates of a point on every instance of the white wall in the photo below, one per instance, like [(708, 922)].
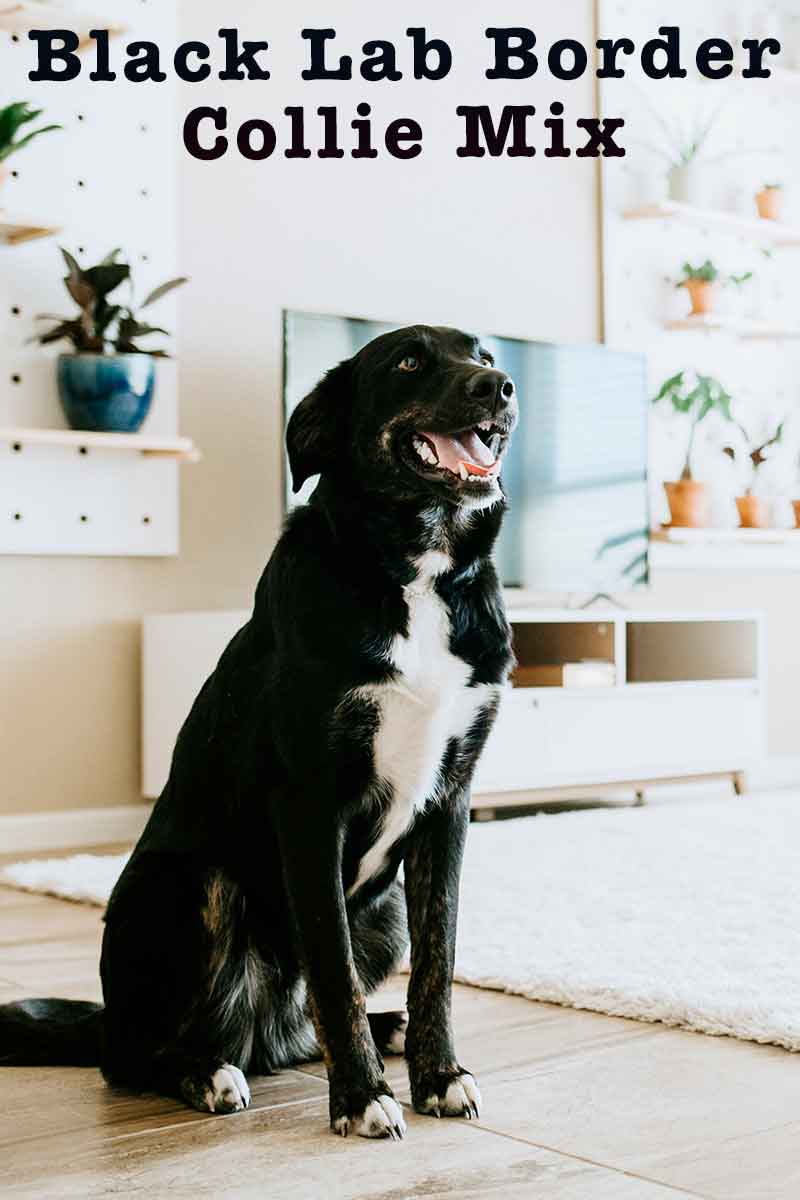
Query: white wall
[(501, 245)]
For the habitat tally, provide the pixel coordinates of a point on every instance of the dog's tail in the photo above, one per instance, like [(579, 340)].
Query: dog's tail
[(51, 1033)]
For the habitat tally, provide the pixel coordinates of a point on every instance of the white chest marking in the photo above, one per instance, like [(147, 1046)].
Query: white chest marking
[(428, 703)]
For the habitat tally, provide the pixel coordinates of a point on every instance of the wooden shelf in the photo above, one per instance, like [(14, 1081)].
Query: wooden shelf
[(15, 231), (18, 16), (774, 232), (748, 330), (182, 449)]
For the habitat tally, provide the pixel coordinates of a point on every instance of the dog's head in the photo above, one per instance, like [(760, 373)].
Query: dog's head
[(418, 413)]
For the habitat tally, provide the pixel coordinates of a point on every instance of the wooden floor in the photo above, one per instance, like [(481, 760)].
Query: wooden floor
[(576, 1106)]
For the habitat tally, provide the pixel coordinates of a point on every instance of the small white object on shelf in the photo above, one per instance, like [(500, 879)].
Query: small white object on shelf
[(748, 329), (775, 232), (673, 549)]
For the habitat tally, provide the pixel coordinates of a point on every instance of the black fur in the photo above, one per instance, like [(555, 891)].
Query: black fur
[(230, 937)]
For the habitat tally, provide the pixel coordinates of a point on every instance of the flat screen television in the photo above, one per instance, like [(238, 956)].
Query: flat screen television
[(576, 472)]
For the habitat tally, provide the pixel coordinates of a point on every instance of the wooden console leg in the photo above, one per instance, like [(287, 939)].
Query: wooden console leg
[(739, 783)]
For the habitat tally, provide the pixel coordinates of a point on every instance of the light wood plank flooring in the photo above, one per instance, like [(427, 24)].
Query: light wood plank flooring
[(576, 1105)]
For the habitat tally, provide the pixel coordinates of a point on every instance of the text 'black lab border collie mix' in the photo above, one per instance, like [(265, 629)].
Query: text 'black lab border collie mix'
[(335, 740)]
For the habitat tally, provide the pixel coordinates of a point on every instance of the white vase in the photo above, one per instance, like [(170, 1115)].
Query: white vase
[(685, 186)]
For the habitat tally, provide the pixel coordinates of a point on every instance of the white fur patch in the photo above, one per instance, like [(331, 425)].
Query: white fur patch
[(229, 1091), (383, 1117), (462, 1099), (427, 704)]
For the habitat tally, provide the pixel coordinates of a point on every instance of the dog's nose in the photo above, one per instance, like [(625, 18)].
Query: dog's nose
[(492, 386)]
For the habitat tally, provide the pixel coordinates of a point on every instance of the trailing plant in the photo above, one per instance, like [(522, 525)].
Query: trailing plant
[(15, 117), (755, 453), (694, 402), (102, 326)]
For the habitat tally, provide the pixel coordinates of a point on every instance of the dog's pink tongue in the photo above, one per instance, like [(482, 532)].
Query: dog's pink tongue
[(467, 448)]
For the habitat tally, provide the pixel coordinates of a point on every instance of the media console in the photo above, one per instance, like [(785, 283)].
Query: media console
[(684, 696)]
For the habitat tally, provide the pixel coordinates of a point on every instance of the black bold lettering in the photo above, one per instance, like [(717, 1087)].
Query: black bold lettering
[(505, 53), (478, 121), (382, 64), (609, 50), (669, 44), (318, 68), (244, 140), (601, 135), (49, 53), (191, 133), (399, 132), (756, 50), (423, 49), (183, 70), (145, 64), (242, 64)]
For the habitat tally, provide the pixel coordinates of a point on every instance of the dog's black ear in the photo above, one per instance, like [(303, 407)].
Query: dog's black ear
[(316, 432)]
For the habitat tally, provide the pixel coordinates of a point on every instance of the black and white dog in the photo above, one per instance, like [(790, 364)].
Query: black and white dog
[(336, 738)]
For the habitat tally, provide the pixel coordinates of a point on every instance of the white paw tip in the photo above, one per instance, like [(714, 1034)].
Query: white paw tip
[(382, 1118), (229, 1091), (462, 1099)]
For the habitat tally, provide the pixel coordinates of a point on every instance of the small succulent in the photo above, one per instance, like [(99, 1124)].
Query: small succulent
[(705, 273), (101, 326), (12, 119)]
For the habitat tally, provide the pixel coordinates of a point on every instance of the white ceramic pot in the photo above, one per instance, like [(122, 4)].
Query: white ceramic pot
[(685, 184)]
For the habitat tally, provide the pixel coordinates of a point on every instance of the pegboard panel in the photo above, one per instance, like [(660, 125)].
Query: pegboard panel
[(108, 180), (753, 141)]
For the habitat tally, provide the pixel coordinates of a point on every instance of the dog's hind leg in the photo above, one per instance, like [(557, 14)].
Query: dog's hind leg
[(169, 954)]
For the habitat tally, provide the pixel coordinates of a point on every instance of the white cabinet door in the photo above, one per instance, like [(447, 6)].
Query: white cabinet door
[(518, 746)]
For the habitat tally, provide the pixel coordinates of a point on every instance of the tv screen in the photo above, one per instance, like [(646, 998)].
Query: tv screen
[(576, 472)]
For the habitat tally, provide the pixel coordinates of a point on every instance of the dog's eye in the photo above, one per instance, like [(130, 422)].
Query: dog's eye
[(409, 363), (486, 361)]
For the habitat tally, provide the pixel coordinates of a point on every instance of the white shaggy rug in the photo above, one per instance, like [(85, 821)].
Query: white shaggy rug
[(687, 914)]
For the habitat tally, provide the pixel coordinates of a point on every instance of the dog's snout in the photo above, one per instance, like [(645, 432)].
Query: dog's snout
[(490, 385)]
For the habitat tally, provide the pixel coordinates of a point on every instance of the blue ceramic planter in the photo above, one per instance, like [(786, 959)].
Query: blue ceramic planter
[(106, 394)]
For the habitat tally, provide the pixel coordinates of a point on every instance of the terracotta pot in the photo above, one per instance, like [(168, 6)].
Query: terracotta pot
[(796, 507), (770, 203), (754, 513), (689, 503), (701, 295)]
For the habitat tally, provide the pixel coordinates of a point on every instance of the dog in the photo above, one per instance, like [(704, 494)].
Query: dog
[(335, 740)]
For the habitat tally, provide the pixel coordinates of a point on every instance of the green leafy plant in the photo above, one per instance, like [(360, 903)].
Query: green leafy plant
[(739, 281), (772, 187), (13, 118), (102, 326), (754, 452), (705, 273), (695, 402)]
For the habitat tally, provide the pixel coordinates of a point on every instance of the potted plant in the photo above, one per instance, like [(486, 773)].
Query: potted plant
[(13, 118), (754, 511), (699, 283), (683, 148), (689, 502), (107, 382), (770, 201)]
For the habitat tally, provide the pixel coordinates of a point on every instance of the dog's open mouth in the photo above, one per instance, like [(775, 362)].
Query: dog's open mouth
[(471, 455)]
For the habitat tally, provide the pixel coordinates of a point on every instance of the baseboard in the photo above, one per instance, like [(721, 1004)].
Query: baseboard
[(24, 832)]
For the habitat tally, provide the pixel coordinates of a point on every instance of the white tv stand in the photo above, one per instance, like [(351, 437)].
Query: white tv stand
[(688, 701)]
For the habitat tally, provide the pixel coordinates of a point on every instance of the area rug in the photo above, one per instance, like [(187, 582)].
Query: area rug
[(687, 914)]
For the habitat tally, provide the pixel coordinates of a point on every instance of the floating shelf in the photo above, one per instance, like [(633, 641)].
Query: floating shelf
[(748, 330), (13, 232), (725, 549), (23, 15), (774, 232), (181, 449)]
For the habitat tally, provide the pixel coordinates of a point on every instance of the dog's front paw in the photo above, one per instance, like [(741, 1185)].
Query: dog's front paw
[(381, 1117), (447, 1094), (224, 1090)]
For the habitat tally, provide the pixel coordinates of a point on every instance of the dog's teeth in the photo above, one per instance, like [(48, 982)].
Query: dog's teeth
[(485, 425), (462, 470)]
